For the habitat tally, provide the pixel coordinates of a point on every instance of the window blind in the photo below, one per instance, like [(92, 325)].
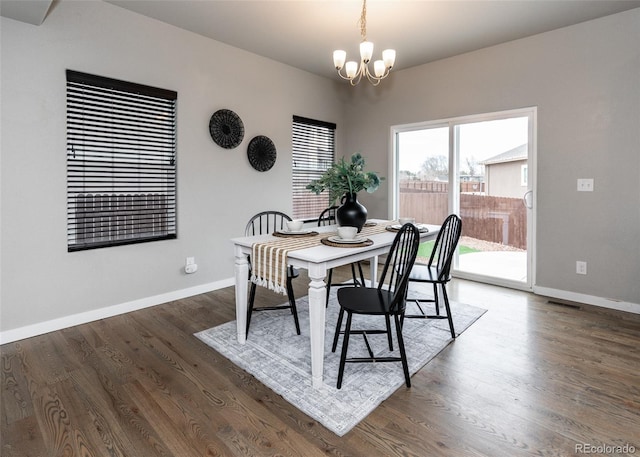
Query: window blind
[(121, 162), (313, 153)]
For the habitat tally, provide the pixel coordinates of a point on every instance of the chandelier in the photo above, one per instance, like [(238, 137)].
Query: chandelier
[(354, 74)]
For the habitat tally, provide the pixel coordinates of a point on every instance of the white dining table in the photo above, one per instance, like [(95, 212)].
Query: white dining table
[(317, 260)]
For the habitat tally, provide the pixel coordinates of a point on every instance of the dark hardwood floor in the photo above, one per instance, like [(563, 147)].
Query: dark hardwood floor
[(529, 378)]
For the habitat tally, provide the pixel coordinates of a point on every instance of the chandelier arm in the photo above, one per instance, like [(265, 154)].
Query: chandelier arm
[(382, 76), (356, 79), (363, 68), (374, 80), (343, 76)]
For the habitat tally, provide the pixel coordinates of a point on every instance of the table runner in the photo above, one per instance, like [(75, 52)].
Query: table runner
[(269, 259)]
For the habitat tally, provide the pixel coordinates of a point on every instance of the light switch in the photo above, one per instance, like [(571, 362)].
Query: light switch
[(585, 184)]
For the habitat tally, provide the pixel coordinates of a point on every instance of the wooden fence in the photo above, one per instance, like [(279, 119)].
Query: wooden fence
[(497, 219), (439, 186)]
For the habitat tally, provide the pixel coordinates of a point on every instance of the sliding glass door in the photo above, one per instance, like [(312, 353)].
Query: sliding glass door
[(482, 168), (423, 174)]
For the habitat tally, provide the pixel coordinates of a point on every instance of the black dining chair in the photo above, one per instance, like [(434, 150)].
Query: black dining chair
[(263, 223), (388, 299), (328, 217), (438, 271)]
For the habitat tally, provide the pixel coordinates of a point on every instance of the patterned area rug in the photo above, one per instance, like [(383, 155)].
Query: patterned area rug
[(281, 360)]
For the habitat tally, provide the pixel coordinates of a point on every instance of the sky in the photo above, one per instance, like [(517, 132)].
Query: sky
[(479, 140)]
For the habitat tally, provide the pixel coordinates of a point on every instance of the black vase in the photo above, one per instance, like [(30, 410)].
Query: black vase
[(352, 213)]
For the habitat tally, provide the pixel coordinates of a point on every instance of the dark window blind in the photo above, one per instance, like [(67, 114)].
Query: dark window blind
[(313, 154), (121, 162)]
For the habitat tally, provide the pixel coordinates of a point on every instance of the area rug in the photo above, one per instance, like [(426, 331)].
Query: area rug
[(281, 360)]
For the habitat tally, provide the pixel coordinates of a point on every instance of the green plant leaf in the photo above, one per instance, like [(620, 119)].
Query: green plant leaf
[(346, 177)]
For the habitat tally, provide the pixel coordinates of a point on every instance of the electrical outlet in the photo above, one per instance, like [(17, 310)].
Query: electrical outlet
[(581, 267), (585, 184), (190, 265)]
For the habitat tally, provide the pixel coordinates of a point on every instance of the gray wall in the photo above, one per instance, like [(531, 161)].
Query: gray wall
[(217, 188), (585, 81)]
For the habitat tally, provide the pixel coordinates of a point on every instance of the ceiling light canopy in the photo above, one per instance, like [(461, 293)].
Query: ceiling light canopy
[(353, 73)]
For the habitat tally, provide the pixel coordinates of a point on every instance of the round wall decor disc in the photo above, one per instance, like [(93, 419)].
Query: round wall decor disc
[(261, 153), (226, 128)]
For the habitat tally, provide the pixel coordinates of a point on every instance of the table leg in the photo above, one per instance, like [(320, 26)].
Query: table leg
[(317, 313), (242, 275), (373, 269)]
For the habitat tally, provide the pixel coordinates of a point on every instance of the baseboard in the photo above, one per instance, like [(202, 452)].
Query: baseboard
[(28, 331), (588, 299)]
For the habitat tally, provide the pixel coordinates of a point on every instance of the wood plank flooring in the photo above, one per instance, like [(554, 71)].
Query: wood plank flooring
[(530, 378)]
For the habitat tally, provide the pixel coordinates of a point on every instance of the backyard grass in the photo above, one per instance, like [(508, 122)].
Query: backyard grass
[(426, 248)]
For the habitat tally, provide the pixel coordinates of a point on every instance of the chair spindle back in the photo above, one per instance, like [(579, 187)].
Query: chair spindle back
[(445, 246), (266, 222), (400, 260)]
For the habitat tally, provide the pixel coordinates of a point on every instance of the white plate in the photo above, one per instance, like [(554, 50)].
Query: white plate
[(337, 239), (421, 227), (296, 232)]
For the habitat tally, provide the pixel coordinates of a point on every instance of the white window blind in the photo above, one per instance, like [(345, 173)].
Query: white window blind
[(121, 162), (313, 154)]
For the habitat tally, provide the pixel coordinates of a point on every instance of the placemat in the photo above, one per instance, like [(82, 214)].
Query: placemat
[(299, 235), (328, 242)]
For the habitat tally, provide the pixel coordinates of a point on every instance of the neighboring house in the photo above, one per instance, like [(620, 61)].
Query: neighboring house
[(506, 174), (471, 178)]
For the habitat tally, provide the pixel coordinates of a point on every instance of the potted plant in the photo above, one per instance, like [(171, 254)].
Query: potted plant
[(344, 180)]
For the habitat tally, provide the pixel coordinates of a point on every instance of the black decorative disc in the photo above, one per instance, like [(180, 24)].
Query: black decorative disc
[(262, 153), (226, 128)]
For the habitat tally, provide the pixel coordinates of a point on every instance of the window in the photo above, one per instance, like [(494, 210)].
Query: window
[(121, 162), (524, 175), (313, 153)]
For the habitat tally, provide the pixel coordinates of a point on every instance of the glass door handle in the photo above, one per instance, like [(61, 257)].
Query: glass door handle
[(527, 199)]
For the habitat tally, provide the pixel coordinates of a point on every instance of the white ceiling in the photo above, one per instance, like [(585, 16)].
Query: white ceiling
[(29, 11), (304, 33)]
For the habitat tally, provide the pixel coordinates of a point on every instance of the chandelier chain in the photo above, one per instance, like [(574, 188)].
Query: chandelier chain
[(363, 21)]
